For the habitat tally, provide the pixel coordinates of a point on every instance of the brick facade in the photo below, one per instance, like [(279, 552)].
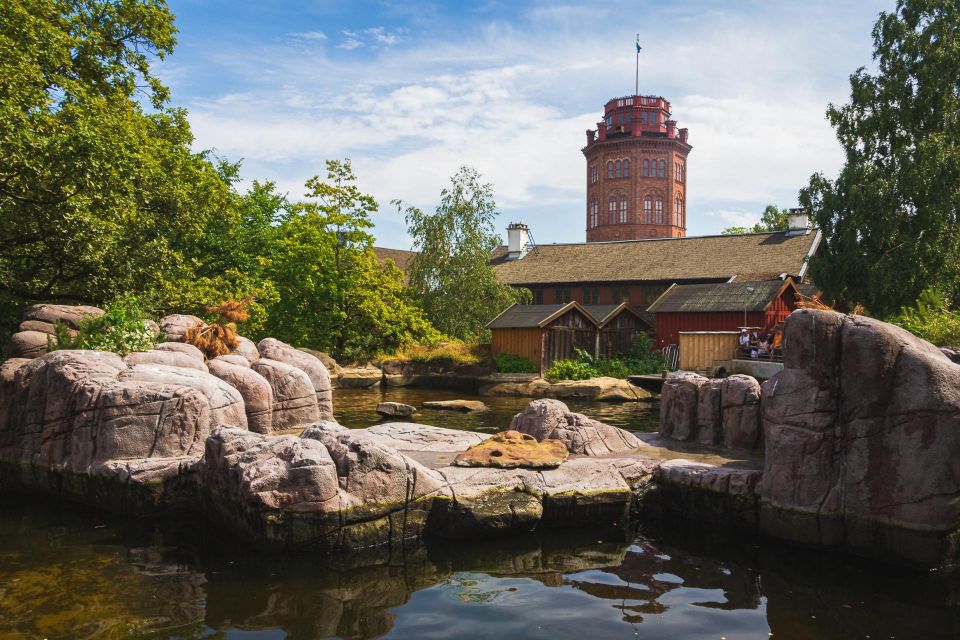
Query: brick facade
[(636, 172)]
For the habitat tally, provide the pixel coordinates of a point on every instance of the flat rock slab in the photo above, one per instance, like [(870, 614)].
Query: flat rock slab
[(466, 406), (395, 410), (512, 450), (359, 378), (409, 436)]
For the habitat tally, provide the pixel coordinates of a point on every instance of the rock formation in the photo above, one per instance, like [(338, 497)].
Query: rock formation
[(395, 410), (39, 323), (511, 450), (551, 419), (174, 326), (723, 412), (319, 376)]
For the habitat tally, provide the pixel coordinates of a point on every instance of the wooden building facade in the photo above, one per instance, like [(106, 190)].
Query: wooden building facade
[(722, 307), (543, 333)]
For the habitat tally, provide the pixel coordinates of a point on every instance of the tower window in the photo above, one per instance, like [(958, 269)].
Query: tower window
[(626, 168), (643, 117), (592, 221), (646, 168), (610, 169), (663, 169), (678, 211), (659, 217), (618, 171), (612, 210), (648, 210), (623, 209), (594, 174)]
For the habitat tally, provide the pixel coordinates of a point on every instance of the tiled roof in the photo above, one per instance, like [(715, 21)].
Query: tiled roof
[(754, 256), (724, 296)]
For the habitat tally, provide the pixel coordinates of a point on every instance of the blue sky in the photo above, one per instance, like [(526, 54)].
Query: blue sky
[(410, 91)]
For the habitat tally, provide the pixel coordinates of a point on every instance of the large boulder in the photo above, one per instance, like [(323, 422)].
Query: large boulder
[(180, 347), (175, 325), (71, 315), (862, 439), (512, 449), (256, 391), (294, 398), (359, 377), (679, 405), (166, 357), (86, 425), (395, 410), (740, 406), (551, 419), (319, 376), (246, 348), (28, 344)]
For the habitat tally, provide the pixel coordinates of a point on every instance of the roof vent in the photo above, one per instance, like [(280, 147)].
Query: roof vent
[(518, 240), (798, 222)]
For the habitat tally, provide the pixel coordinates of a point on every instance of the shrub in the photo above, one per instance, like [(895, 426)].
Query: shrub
[(931, 319), (570, 370), (122, 330), (219, 337), (509, 363), (445, 353)]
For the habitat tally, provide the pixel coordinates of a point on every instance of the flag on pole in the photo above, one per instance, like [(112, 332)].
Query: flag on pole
[(638, 43)]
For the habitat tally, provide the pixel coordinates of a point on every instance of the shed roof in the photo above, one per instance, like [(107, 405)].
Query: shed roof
[(530, 316), (604, 313), (718, 297), (754, 256)]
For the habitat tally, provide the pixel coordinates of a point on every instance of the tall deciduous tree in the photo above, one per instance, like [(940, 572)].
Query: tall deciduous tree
[(98, 184), (890, 218), (458, 289), (333, 294)]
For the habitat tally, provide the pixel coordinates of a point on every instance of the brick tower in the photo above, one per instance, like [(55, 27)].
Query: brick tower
[(636, 172)]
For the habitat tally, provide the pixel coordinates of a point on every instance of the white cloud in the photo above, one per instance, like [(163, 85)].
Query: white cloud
[(513, 100), (315, 36)]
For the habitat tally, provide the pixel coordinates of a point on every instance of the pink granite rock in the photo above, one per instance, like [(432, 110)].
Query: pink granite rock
[(294, 398), (313, 367), (256, 391), (551, 419)]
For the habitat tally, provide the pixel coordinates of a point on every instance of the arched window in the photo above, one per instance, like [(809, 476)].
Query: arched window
[(680, 221), (618, 172), (610, 169), (626, 168), (623, 209), (659, 217), (592, 222), (646, 168), (663, 169), (612, 217), (648, 210)]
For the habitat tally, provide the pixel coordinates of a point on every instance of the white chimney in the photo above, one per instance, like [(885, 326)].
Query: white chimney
[(798, 222), (518, 235)]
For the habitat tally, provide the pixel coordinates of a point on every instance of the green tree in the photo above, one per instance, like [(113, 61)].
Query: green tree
[(98, 184), (773, 219), (890, 218), (457, 287), (333, 294)]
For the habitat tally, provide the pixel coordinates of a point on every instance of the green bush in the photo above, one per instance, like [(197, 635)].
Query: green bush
[(931, 319), (509, 363), (641, 359), (121, 330), (570, 370)]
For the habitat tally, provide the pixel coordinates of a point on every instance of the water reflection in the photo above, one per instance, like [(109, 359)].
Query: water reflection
[(80, 575), (357, 408)]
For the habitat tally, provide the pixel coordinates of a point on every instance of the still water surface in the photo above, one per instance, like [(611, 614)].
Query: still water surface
[(75, 573)]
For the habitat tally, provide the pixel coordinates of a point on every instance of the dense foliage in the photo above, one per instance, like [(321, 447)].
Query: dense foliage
[(931, 318), (123, 329), (773, 219), (890, 218), (509, 363), (455, 284), (641, 359), (101, 195)]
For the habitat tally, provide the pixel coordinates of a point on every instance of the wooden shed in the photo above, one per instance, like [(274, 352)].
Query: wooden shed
[(543, 333), (705, 352), (722, 307), (619, 325)]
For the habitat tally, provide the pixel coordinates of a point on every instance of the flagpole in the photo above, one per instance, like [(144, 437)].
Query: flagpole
[(636, 89)]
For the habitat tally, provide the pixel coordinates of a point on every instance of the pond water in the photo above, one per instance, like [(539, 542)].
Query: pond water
[(358, 408), (77, 574), (74, 573)]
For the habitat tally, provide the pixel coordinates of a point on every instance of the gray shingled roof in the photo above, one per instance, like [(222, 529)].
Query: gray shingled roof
[(754, 256), (521, 316), (726, 296), (600, 311)]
